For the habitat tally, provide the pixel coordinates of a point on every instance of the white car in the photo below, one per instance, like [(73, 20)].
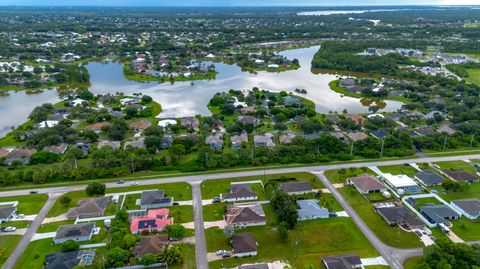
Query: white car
[(134, 183), (9, 229), (221, 252)]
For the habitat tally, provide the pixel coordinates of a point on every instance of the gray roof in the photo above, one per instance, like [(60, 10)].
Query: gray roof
[(342, 262), (460, 175), (367, 182), (62, 260), (154, 197), (6, 212), (399, 215), (300, 186), (471, 206), (89, 207), (239, 191), (379, 134), (310, 208), (74, 230), (254, 266), (239, 139), (244, 242), (438, 213), (429, 177), (214, 139)]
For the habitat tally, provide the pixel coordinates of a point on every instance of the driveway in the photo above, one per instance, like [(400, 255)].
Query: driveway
[(207, 224)]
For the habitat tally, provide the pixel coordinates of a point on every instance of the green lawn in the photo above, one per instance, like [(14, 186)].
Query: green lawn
[(473, 191), (35, 252), (189, 262), (53, 226), (214, 212), (341, 175), (392, 236), (466, 229), (455, 165), (328, 201), (181, 214), (28, 204), (7, 245), (398, 170), (18, 224), (473, 76), (307, 243), (213, 188), (179, 191), (410, 263)]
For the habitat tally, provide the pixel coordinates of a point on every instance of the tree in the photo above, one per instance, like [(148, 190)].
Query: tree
[(170, 255), (65, 201), (176, 231), (70, 245), (117, 257), (44, 157), (84, 94), (95, 189), (229, 231), (129, 240), (131, 111), (117, 130), (283, 231), (149, 259), (285, 207), (147, 99)]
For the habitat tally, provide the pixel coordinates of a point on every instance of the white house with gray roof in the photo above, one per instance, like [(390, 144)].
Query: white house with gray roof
[(309, 209), (470, 208), (155, 199)]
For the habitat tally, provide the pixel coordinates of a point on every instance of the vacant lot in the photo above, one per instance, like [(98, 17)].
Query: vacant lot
[(474, 76), (466, 229), (341, 175), (398, 170), (306, 244), (456, 165), (7, 245), (28, 204)]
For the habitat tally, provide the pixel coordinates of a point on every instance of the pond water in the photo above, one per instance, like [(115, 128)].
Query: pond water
[(188, 99)]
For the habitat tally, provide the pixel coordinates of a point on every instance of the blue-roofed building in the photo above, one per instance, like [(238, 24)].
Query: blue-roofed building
[(309, 209)]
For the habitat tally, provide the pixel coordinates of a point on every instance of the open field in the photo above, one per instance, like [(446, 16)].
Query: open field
[(473, 76), (455, 165), (28, 204), (7, 245), (399, 170), (307, 243)]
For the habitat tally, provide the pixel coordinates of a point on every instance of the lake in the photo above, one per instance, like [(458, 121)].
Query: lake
[(188, 99)]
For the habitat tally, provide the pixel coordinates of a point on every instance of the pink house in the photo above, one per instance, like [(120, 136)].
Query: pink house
[(155, 221)]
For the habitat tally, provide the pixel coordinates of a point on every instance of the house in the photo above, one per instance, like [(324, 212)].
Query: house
[(356, 136), (139, 144), (248, 109), (78, 102), (248, 120), (367, 183), (349, 261), (150, 244), (21, 155), (140, 125), (97, 127), (460, 175), (77, 232), (4, 152), (401, 183), (245, 215), (347, 82), (379, 134), (6, 213), (89, 207), (290, 101), (469, 208), (424, 131), (109, 143), (309, 209), (244, 245), (167, 123), (446, 129), (155, 221), (166, 142), (127, 101), (264, 140), (286, 138), (239, 192), (428, 178), (214, 141), (69, 259), (190, 122), (296, 188), (117, 114), (355, 118), (155, 199), (85, 148), (399, 215), (238, 140), (47, 124), (60, 149), (339, 135), (439, 213)]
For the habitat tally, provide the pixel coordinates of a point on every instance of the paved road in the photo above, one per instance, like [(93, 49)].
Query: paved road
[(222, 175), (21, 246), (200, 241), (393, 256)]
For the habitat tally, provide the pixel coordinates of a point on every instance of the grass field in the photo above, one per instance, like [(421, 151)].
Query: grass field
[(455, 165), (214, 212), (410, 263), (466, 229), (473, 76), (181, 214), (340, 176), (398, 170), (180, 191), (307, 243), (17, 224), (7, 245), (28, 204)]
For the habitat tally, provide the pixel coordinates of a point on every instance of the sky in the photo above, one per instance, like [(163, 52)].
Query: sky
[(210, 3)]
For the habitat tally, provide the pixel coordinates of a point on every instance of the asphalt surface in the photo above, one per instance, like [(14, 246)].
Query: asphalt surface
[(393, 256), (200, 241), (22, 245)]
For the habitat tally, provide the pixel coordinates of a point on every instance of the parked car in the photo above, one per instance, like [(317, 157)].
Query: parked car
[(120, 182), (20, 216), (216, 200), (33, 192), (436, 166), (332, 213), (9, 229), (226, 255), (221, 252), (418, 233), (175, 203)]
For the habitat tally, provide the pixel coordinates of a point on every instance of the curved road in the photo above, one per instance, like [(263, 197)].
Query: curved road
[(393, 256)]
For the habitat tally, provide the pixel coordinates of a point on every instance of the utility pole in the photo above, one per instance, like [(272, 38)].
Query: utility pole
[(471, 140), (445, 142), (351, 149), (383, 144)]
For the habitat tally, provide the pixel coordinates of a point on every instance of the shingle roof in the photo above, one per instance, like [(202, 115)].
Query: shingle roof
[(254, 266), (300, 186), (429, 177), (62, 260), (151, 244), (367, 182), (460, 175), (438, 213), (399, 215), (342, 262), (238, 214), (471, 206), (6, 212), (239, 191), (244, 242), (154, 197), (89, 207)]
